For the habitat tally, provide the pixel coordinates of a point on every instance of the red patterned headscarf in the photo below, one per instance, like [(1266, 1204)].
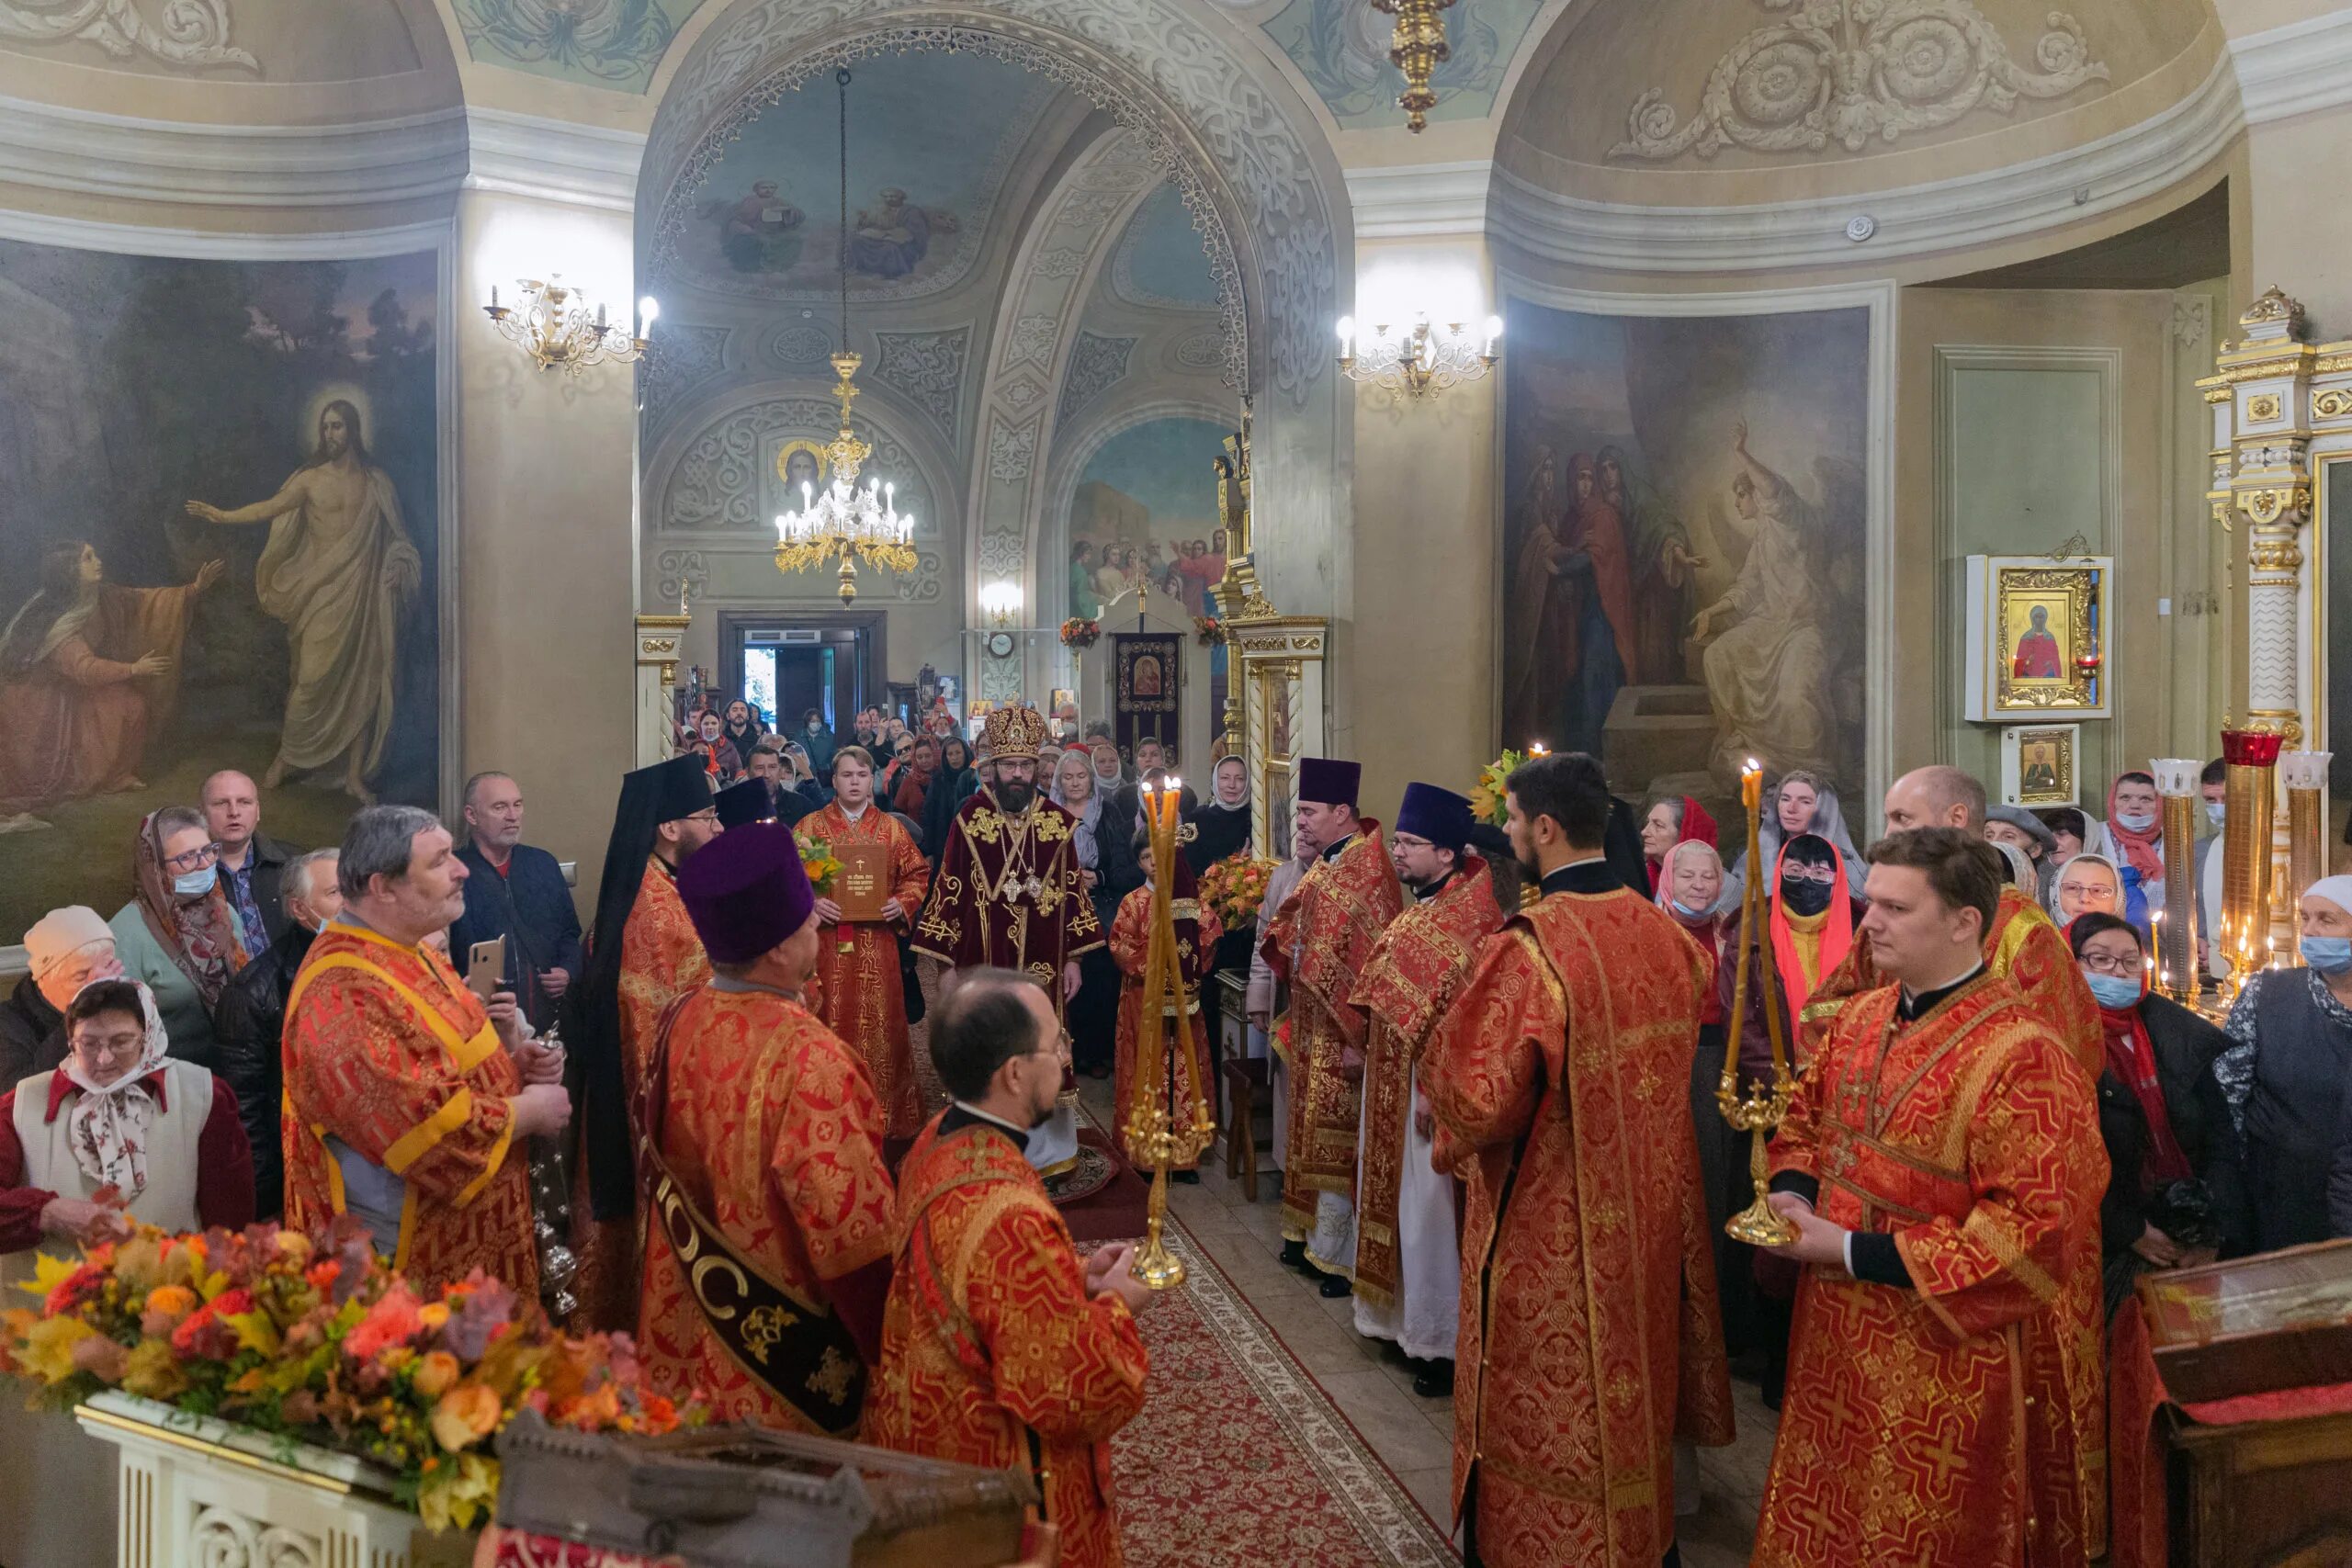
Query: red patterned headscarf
[(201, 937)]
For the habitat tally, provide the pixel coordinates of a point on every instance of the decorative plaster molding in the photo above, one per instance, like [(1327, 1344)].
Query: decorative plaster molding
[(1420, 201), (1972, 211), (192, 35), (554, 160), (210, 244), (2300, 68), (928, 366)]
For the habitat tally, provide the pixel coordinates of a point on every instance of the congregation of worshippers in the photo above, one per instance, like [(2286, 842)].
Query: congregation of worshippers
[(1494, 1049)]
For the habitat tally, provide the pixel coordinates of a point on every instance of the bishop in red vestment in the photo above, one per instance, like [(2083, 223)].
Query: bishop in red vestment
[(1197, 932), (769, 1251), (999, 1348), (1942, 1163), (403, 1105), (859, 993), (1318, 943), (1589, 1338)]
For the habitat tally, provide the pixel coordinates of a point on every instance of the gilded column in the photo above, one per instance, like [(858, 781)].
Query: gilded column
[(2176, 781), (2304, 774), (657, 641)]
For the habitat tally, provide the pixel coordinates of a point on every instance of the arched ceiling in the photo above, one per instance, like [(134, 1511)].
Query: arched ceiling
[(1676, 102)]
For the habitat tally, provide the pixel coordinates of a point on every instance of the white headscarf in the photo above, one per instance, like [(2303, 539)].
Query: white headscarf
[(2337, 890), (2022, 870), (109, 1125), (2059, 913)]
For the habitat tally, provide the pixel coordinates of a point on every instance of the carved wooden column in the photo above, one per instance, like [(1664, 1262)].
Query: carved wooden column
[(659, 638)]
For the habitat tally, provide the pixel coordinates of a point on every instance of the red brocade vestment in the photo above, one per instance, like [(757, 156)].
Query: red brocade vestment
[(1933, 1425), (991, 1353), (662, 960), (1589, 1337), (387, 1052), (1197, 932), (1410, 980), (1010, 892), (1319, 941), (772, 1133), (859, 994)]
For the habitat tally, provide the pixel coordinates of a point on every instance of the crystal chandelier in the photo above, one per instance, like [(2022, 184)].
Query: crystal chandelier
[(553, 326), (1420, 359), (1417, 47), (845, 520)]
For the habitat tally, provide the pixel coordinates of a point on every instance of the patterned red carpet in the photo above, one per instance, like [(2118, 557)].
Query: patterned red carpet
[(1240, 1460)]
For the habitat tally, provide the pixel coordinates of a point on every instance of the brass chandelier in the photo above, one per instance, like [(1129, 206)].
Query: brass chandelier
[(842, 520), (1418, 48)]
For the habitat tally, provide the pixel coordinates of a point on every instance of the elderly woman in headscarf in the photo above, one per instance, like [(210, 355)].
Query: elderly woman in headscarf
[(2089, 882), (1691, 877), (179, 934), (1670, 820), (2013, 827), (1802, 802), (121, 1134), (1099, 844)]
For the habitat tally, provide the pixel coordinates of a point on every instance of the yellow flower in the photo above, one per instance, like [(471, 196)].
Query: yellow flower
[(48, 1348), (48, 1274), (432, 1315), (454, 1496)]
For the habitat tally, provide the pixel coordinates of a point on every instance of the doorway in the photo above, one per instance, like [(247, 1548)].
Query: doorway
[(785, 665)]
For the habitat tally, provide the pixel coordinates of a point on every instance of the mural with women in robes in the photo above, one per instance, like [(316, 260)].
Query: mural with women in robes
[(1684, 536), (219, 548)]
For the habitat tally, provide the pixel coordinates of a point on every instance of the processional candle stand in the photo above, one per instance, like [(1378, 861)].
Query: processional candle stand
[(2252, 758), (1758, 1115), (2305, 775), (1165, 1072), (2177, 785)]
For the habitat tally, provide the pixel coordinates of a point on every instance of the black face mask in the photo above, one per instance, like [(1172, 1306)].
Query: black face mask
[(1799, 895)]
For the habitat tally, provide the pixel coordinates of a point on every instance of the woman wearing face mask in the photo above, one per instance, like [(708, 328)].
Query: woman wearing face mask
[(1691, 877), (2284, 1075), (179, 934), (2134, 831), (1800, 803), (2161, 1112), (1092, 1016), (1674, 821)]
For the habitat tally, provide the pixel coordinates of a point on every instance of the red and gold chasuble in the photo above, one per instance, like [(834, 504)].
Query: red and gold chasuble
[(1197, 932), (772, 1133), (1410, 980), (1319, 941), (991, 1352), (662, 960), (1589, 1337), (1010, 892), (1933, 1425), (859, 994), (387, 1052)]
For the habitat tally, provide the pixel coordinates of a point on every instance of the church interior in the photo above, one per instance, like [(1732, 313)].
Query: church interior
[(406, 393)]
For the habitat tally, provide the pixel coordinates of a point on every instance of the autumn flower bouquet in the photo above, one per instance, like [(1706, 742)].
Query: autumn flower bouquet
[(1208, 628), (327, 1345), (1078, 632), (1488, 801), (817, 859), (1234, 886)]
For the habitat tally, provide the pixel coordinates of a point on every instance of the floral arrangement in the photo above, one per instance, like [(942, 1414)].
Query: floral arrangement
[(1234, 886), (325, 1343), (1208, 628), (1081, 633), (1488, 801), (817, 860)]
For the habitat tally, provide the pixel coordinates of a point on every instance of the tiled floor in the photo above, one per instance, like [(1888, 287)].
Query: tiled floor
[(1415, 1436)]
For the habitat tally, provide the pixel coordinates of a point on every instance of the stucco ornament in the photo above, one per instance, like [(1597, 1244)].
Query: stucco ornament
[(1851, 71), (193, 33)]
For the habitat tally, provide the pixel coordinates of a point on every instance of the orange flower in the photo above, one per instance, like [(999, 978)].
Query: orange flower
[(435, 1374), (465, 1413)]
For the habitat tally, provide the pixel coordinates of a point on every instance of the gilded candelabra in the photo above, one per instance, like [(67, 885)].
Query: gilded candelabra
[(1167, 1072), (1759, 1114), (2177, 785), (553, 326), (2305, 775), (2252, 758), (1417, 359)]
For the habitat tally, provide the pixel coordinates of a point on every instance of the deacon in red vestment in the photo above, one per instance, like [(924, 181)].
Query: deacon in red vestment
[(1197, 931), (769, 1251), (1943, 1163), (642, 954), (1589, 1337), (1318, 943), (1408, 1255), (1010, 892), (999, 1348), (859, 993), (403, 1105)]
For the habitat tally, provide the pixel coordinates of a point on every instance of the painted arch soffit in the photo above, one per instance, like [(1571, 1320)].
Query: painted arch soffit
[(1229, 141)]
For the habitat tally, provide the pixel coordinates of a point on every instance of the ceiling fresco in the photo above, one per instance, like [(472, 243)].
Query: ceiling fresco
[(1160, 262)]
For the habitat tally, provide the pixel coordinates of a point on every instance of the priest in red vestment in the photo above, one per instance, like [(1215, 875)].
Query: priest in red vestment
[(1000, 1348), (1318, 943), (768, 1251), (1943, 1166), (1590, 1341), (404, 1106), (642, 954), (1009, 892), (1197, 932), (859, 993), (1408, 1255)]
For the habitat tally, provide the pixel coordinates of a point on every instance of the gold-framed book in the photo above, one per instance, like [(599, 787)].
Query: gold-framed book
[(863, 885)]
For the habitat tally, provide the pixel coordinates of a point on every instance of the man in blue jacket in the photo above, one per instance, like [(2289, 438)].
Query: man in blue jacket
[(516, 892)]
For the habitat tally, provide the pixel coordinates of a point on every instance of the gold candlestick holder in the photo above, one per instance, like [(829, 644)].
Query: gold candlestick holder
[(2177, 785), (1756, 1114), (1167, 1066), (2252, 758), (2305, 775)]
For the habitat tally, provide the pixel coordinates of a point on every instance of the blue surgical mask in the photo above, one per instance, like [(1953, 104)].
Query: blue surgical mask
[(2328, 954), (2216, 813), (195, 883), (2135, 821), (1685, 910), (2112, 990)]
